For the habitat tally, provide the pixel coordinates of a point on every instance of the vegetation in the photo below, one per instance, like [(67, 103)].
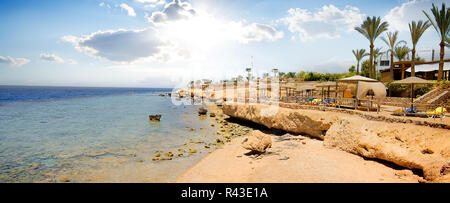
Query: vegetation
[(416, 29), (376, 54), (359, 55), (392, 42), (401, 52), (398, 90), (441, 23), (371, 28)]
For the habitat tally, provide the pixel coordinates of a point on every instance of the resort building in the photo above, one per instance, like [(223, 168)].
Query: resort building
[(427, 69)]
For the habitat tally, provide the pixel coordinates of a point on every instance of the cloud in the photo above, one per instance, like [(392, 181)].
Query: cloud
[(51, 57), (173, 11), (16, 62), (181, 21), (103, 4), (129, 9), (399, 16), (258, 32), (327, 22), (55, 58), (123, 46)]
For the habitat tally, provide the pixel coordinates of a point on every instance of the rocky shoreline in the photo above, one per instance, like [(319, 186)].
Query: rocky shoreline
[(405, 144)]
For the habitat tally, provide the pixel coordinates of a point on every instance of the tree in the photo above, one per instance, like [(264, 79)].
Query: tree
[(416, 29), (365, 68), (376, 53), (391, 42), (441, 23), (371, 28), (290, 75), (351, 69), (359, 54), (301, 75), (248, 70), (401, 52)]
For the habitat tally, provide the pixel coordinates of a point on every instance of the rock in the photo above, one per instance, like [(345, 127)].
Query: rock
[(212, 115), (380, 140), (296, 121), (158, 155), (257, 142), (156, 117), (283, 158), (192, 151), (202, 111), (162, 95)]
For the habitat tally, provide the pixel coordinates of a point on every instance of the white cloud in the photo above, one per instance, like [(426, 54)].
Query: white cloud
[(173, 11), (16, 62), (181, 21), (129, 9), (258, 32), (327, 22), (399, 17), (177, 38), (55, 58), (124, 46), (51, 57)]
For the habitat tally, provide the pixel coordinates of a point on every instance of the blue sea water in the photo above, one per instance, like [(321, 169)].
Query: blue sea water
[(92, 134)]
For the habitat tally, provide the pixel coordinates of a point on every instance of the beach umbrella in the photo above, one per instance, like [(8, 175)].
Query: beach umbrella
[(413, 81)]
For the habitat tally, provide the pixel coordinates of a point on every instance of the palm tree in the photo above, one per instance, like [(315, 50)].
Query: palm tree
[(391, 42), (401, 52), (447, 40), (249, 70), (441, 23), (416, 29), (359, 55), (371, 28), (376, 53)]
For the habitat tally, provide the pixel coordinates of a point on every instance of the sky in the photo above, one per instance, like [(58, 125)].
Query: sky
[(167, 43)]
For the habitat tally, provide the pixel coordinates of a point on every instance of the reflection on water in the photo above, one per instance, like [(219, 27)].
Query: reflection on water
[(98, 139)]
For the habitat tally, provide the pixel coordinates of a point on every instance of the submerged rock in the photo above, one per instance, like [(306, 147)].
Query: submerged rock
[(202, 111), (257, 142), (156, 117)]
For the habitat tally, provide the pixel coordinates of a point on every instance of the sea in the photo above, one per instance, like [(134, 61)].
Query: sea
[(90, 134)]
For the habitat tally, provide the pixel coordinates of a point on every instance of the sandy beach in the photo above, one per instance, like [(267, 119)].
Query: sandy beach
[(292, 159)]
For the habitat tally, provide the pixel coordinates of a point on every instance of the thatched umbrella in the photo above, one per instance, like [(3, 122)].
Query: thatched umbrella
[(413, 81)]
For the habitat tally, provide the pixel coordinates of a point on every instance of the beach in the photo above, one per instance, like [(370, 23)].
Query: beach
[(312, 145), (292, 159)]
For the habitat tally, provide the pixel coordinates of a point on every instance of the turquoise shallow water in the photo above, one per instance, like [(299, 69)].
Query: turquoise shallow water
[(96, 138)]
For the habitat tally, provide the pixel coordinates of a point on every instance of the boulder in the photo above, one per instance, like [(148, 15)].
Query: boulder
[(156, 117), (296, 121), (257, 142), (407, 145), (202, 111), (212, 115)]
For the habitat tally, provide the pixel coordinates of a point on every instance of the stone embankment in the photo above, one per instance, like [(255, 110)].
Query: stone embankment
[(407, 144)]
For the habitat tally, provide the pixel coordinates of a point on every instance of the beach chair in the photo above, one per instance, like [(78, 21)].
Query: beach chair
[(438, 112)]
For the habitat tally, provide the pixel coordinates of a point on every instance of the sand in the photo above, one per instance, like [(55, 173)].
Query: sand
[(292, 159)]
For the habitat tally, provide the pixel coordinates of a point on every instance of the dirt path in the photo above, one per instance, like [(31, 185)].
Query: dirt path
[(292, 159)]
